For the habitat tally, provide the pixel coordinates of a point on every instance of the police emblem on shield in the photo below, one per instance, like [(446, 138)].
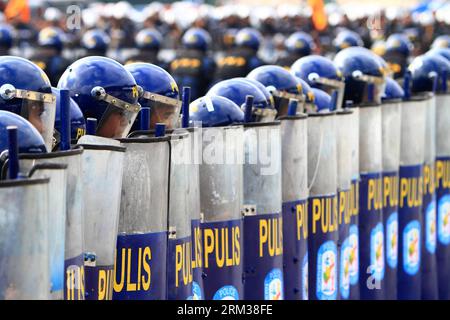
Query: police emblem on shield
[(444, 220)]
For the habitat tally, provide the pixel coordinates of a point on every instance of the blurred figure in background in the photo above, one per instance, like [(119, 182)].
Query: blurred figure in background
[(298, 45), (49, 54), (192, 66), (148, 42), (243, 58)]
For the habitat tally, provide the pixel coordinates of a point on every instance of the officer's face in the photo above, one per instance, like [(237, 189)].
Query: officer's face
[(164, 115), (35, 111), (113, 126)]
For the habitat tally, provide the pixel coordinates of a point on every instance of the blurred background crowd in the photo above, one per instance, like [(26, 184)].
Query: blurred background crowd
[(112, 28)]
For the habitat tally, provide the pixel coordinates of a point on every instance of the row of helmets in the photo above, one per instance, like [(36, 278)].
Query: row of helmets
[(325, 182)]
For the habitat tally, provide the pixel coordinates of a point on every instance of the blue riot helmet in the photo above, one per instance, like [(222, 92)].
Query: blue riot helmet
[(444, 52), (215, 111), (300, 43), (392, 91), (321, 73), (399, 43), (6, 37), (160, 93), (104, 90), (426, 70), (441, 42), (148, 39), (364, 75), (346, 39), (281, 84), (248, 38), (261, 88), (96, 42), (237, 90), (25, 90), (51, 37), (197, 39), (77, 121), (322, 100), (29, 139)]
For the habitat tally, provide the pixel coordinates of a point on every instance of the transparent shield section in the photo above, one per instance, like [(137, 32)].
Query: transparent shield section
[(115, 122), (262, 169), (193, 191), (102, 181), (430, 131), (391, 122), (221, 173), (74, 239), (370, 148), (294, 159), (179, 219), (56, 225), (413, 125), (443, 125), (42, 116), (166, 111), (145, 185), (354, 140), (344, 149), (24, 241), (322, 155)]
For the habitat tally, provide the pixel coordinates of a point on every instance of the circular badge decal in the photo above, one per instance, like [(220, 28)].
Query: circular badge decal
[(377, 252), (430, 227), (273, 285), (444, 220), (226, 293), (411, 247), (326, 285), (392, 240), (353, 242)]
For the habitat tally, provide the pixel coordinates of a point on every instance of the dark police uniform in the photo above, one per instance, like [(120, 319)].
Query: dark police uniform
[(238, 63), (193, 68)]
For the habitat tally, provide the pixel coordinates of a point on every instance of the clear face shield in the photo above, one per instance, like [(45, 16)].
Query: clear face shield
[(282, 98), (37, 107), (262, 114), (374, 88), (334, 88), (119, 116), (162, 109)]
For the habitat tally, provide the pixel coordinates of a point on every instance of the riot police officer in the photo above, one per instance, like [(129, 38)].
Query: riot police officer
[(104, 90), (243, 58), (298, 45), (398, 50), (49, 54), (25, 90), (160, 93), (192, 67), (148, 41), (347, 38), (95, 42)]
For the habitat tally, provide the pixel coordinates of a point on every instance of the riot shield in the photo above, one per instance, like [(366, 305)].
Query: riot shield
[(193, 209), (263, 227), (221, 200), (24, 239), (427, 285), (371, 230), (322, 207), (443, 195), (353, 238), (345, 139), (294, 149), (57, 173), (140, 268), (74, 218), (412, 156), (391, 127), (179, 270), (102, 181)]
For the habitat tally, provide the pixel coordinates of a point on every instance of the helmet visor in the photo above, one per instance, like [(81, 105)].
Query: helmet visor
[(163, 110), (37, 107), (373, 89), (334, 88), (118, 117), (282, 98)]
